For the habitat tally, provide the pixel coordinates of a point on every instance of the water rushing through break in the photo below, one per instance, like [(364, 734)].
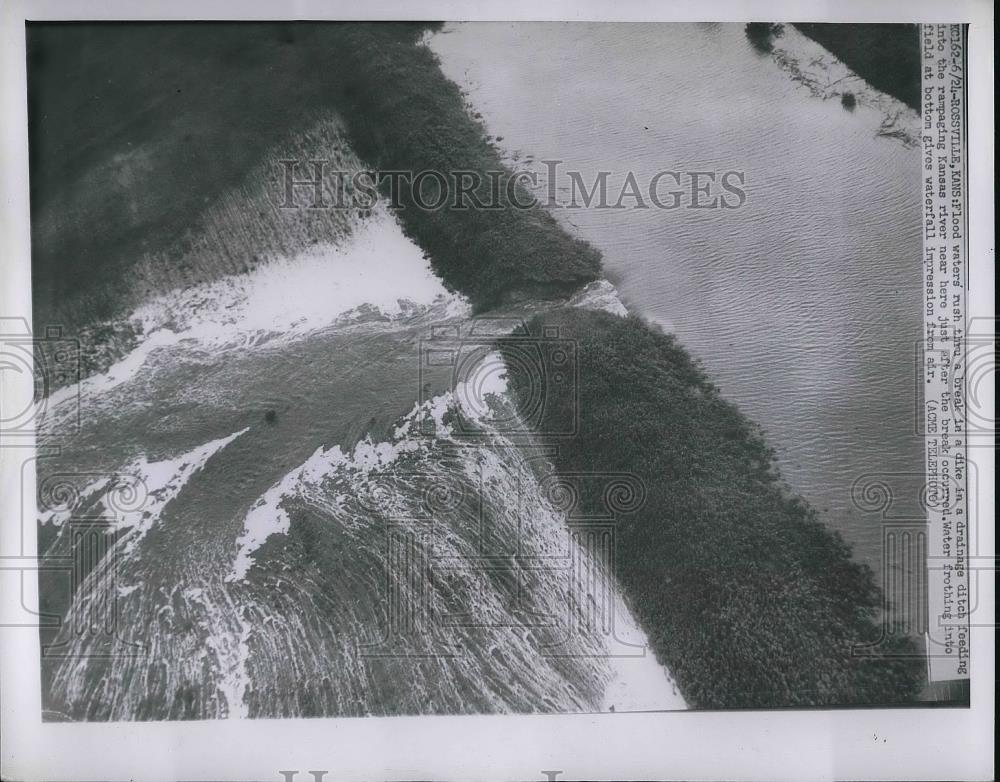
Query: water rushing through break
[(276, 513), (292, 534)]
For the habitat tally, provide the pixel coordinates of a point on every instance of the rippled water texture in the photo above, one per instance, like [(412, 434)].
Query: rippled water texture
[(804, 305)]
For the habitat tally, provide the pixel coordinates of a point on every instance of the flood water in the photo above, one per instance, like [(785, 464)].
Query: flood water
[(293, 528), (264, 426), (804, 304)]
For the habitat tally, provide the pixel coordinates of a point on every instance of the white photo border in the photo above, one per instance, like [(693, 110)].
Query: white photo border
[(871, 743)]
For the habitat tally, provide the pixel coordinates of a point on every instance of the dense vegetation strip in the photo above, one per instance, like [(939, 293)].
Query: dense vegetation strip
[(136, 129), (127, 150), (404, 114), (746, 596)]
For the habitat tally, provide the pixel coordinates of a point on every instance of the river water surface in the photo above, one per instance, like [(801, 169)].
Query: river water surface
[(803, 305), (263, 450)]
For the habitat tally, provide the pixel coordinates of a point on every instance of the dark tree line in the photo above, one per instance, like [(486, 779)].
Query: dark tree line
[(746, 596)]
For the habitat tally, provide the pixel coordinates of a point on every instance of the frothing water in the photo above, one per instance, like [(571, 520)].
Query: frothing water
[(269, 515), (258, 453)]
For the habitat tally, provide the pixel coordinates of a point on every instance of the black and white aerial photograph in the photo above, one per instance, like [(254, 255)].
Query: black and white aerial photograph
[(401, 368)]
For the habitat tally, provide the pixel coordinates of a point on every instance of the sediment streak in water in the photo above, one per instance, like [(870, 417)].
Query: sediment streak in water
[(307, 566)]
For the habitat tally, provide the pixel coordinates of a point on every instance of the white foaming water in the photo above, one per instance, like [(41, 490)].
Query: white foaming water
[(630, 676), (62, 512), (161, 482), (120, 372), (600, 295), (231, 647), (485, 387), (267, 517), (135, 494), (377, 268), (377, 274)]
